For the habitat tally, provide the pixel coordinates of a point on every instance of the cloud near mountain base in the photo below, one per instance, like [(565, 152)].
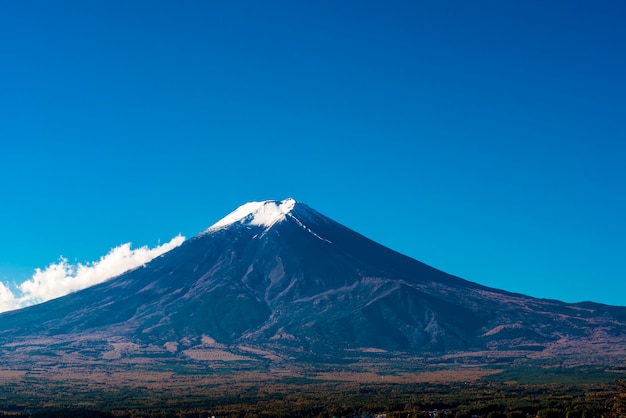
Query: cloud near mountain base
[(62, 278)]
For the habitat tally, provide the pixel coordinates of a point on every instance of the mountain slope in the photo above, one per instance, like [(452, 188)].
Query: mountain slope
[(281, 276)]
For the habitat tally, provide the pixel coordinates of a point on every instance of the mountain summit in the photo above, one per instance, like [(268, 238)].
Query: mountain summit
[(265, 213), (279, 278)]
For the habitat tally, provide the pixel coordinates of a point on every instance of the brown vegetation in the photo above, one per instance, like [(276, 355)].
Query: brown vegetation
[(236, 389)]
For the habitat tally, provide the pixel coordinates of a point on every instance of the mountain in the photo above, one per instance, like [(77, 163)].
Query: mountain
[(277, 280)]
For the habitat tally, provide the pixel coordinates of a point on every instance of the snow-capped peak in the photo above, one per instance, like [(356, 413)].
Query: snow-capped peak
[(265, 213)]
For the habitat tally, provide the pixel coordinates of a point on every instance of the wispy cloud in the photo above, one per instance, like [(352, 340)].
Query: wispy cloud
[(62, 278)]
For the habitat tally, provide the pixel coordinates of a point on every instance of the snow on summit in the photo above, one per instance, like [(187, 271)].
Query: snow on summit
[(265, 213)]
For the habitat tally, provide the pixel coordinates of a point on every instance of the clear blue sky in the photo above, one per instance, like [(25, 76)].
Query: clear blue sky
[(487, 139)]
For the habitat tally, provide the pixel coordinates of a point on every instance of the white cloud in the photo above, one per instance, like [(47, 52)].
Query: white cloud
[(8, 301), (62, 278)]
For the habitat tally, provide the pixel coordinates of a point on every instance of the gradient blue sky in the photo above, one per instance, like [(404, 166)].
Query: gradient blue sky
[(487, 138)]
